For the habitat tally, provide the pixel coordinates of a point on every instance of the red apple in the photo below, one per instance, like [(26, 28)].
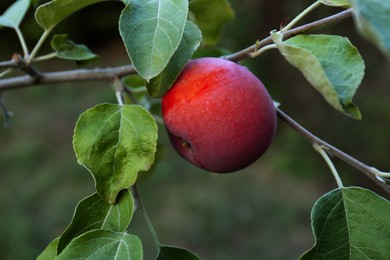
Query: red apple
[(218, 115)]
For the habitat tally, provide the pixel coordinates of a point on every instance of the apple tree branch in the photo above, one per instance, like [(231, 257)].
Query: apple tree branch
[(34, 77), (118, 72)]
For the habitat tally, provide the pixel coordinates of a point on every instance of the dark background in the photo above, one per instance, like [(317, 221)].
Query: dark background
[(262, 212)]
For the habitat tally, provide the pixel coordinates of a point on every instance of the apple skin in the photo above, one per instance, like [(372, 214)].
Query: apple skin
[(218, 115)]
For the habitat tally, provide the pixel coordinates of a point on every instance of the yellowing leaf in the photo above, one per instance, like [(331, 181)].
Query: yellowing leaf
[(344, 3), (330, 63)]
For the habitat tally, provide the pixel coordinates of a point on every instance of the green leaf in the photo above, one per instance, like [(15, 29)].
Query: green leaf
[(372, 18), (175, 253), (350, 223), (50, 252), (343, 3), (151, 31), (14, 15), (330, 63), (68, 50), (211, 16), (50, 14), (192, 37), (138, 89), (115, 143), (210, 52), (94, 213), (134, 81), (102, 244)]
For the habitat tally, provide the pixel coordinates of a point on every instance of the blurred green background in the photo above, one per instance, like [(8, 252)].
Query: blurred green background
[(262, 212)]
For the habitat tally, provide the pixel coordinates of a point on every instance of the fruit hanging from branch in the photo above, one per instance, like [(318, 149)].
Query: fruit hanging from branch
[(218, 115)]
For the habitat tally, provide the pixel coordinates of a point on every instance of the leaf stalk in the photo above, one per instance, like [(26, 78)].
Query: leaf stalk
[(301, 16), (22, 41), (262, 50), (321, 150), (38, 46), (365, 169), (146, 217)]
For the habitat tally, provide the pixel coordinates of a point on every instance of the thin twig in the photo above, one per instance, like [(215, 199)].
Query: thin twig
[(325, 22), (367, 170), (106, 74), (18, 61), (140, 206), (8, 64), (322, 151), (110, 73)]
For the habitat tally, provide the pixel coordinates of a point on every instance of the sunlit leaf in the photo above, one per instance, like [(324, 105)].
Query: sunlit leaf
[(372, 18), (115, 143), (151, 31), (68, 50), (350, 223), (330, 63), (344, 3), (94, 213), (50, 14), (211, 16), (50, 252), (14, 15), (175, 253), (189, 43), (103, 245)]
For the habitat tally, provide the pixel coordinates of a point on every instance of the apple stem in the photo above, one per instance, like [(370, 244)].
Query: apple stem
[(370, 172), (322, 151)]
